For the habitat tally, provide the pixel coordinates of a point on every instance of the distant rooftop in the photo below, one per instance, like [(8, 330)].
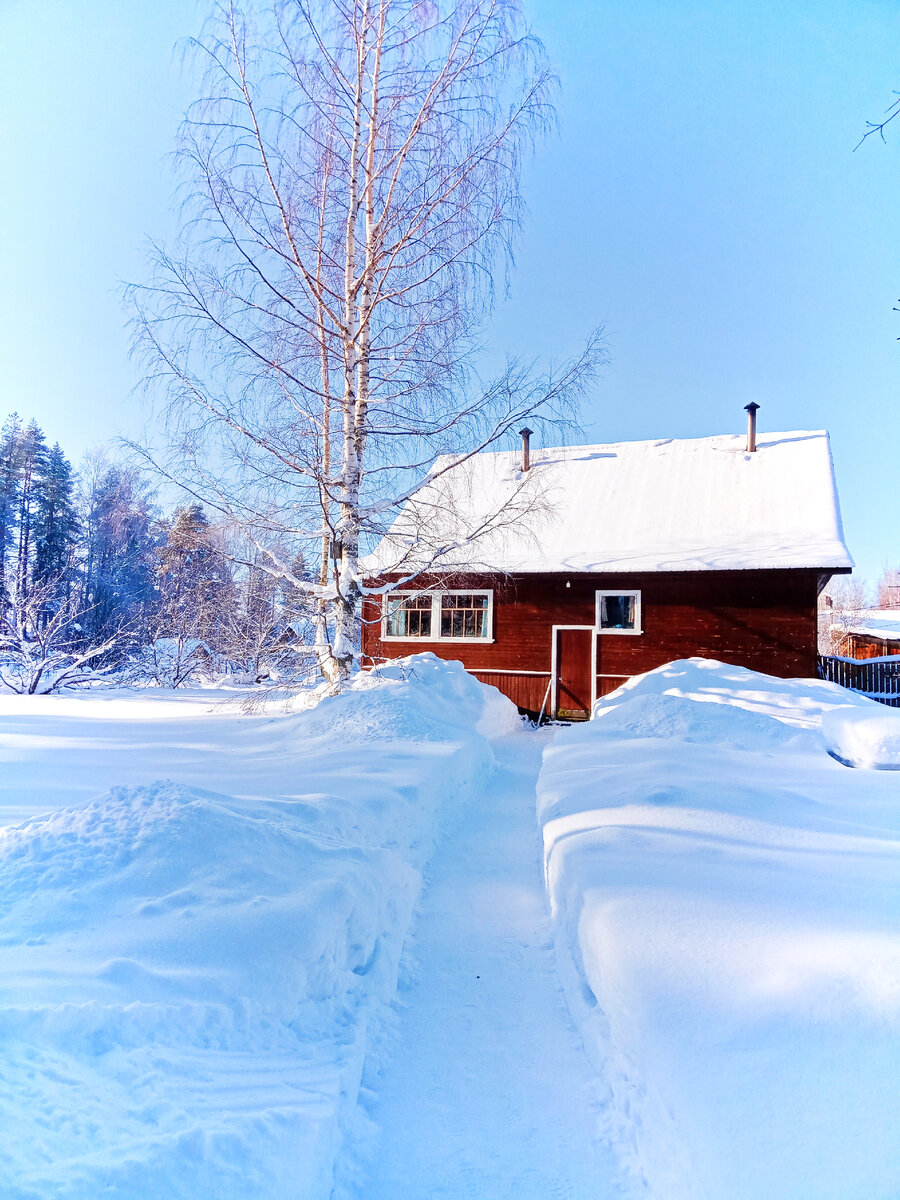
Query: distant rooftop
[(883, 623), (703, 504)]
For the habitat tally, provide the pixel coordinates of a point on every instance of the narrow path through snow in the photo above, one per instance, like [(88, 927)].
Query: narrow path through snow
[(488, 1092)]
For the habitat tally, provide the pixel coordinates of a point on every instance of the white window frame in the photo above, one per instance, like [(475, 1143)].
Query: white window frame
[(436, 616), (638, 622)]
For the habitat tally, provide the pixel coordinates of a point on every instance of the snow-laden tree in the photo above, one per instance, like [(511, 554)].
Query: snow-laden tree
[(30, 467), (118, 543), (38, 522), (55, 521), (270, 633), (171, 662), (77, 560), (42, 645), (196, 593), (23, 467), (888, 595), (841, 608), (352, 187), (256, 628), (10, 440)]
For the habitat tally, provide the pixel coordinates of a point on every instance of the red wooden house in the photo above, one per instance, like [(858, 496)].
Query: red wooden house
[(558, 576)]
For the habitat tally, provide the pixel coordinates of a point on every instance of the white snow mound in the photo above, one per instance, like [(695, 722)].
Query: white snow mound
[(868, 737), (726, 912), (448, 701), (664, 716), (799, 702), (197, 987)]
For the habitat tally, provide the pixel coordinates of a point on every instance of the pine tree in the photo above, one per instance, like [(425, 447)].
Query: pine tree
[(55, 523), (32, 465), (197, 593), (10, 454), (118, 547)]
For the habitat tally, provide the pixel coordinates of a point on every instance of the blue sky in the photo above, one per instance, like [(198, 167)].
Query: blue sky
[(702, 200)]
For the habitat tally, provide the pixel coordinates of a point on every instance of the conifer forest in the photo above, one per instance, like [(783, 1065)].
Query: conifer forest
[(96, 580)]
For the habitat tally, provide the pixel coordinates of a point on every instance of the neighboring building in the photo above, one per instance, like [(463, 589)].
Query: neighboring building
[(870, 633), (559, 578)]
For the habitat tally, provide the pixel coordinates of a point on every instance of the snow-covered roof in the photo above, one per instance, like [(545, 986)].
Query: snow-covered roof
[(881, 623), (702, 504)]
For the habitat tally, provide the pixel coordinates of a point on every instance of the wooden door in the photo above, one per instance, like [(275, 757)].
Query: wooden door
[(574, 667)]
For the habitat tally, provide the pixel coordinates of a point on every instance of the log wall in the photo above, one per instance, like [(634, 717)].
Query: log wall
[(765, 620)]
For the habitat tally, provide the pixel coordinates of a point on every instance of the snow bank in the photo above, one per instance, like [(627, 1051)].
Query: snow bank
[(799, 702), (864, 737), (197, 986), (726, 910), (667, 716), (448, 700)]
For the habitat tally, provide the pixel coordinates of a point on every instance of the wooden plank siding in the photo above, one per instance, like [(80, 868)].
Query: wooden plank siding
[(529, 692), (765, 620), (864, 645)]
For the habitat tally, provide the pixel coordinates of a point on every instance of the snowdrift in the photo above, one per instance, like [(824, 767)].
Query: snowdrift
[(726, 905), (197, 986), (867, 737)]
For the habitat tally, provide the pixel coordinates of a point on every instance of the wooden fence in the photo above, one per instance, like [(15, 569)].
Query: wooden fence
[(877, 678)]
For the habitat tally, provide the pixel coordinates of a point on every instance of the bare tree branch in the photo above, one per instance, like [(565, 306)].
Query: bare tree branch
[(892, 110), (353, 190)]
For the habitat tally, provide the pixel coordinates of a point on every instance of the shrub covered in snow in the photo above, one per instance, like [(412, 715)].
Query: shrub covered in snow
[(43, 647), (172, 662)]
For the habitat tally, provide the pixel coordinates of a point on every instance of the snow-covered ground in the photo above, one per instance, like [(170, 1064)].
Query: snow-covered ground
[(196, 974), (310, 955), (487, 1093), (727, 905)]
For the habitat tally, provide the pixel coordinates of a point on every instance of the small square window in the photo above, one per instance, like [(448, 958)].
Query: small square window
[(464, 615), (409, 617), (619, 612)]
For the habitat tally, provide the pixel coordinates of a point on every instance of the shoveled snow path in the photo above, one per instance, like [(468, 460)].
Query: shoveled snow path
[(487, 1092)]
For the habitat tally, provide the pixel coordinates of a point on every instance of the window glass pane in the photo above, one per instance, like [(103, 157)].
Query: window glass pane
[(617, 612), (409, 616), (464, 615)]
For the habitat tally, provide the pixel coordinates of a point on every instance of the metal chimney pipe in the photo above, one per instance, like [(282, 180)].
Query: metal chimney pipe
[(526, 454), (751, 409)]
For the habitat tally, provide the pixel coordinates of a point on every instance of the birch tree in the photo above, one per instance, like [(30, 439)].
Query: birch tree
[(352, 190), (844, 606), (888, 591)]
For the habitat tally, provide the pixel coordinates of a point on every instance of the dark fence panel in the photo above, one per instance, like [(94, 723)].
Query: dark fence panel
[(877, 678)]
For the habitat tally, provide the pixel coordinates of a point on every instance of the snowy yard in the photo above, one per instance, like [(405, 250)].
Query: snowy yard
[(310, 954), (727, 905), (197, 973)]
